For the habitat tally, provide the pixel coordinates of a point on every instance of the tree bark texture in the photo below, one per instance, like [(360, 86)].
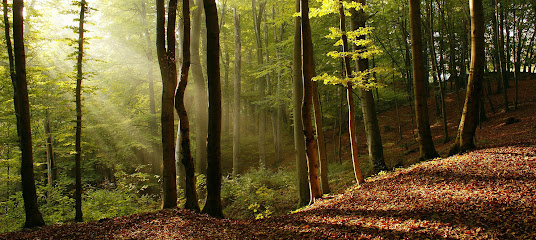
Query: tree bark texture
[(78, 148), (469, 121), (22, 111), (297, 97), (168, 70), (307, 74), (368, 105), (322, 156), (213, 205), (426, 144), (184, 124), (350, 97)]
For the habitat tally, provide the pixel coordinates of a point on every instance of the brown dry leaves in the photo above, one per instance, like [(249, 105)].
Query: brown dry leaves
[(486, 194)]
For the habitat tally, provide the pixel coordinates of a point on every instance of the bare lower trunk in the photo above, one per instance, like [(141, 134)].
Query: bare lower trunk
[(468, 123), (297, 96), (213, 204), (320, 138), (308, 73), (426, 144), (17, 60)]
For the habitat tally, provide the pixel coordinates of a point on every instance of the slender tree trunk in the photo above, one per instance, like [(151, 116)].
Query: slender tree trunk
[(350, 96), (320, 139), (308, 72), (155, 162), (17, 65), (51, 161), (426, 144), (278, 110), (368, 105), (168, 70), (237, 164), (469, 121), (297, 96), (184, 124), (78, 147), (504, 68), (213, 205), (261, 82), (437, 78), (200, 90), (396, 108)]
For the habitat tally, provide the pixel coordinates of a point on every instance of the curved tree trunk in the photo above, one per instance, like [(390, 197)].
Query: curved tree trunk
[(184, 124), (17, 62), (297, 96), (213, 205), (468, 123), (426, 144), (168, 70)]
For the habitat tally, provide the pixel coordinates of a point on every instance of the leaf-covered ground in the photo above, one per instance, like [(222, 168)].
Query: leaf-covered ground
[(486, 194)]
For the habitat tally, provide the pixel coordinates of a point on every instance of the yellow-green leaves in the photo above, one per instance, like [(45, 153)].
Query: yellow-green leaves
[(332, 6)]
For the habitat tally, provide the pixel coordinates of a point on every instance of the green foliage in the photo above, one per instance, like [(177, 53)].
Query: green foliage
[(259, 194)]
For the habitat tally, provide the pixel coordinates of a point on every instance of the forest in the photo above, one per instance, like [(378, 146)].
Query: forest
[(255, 119)]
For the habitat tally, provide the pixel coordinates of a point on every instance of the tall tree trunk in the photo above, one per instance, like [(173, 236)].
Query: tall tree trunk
[(504, 68), (469, 121), (168, 70), (278, 107), (213, 205), (368, 105), (308, 72), (155, 161), (17, 66), (78, 147), (426, 144), (51, 161), (237, 164), (350, 96), (297, 96), (184, 124), (437, 77), (261, 82), (200, 90)]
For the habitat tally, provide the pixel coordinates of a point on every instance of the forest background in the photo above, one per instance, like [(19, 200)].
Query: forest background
[(121, 141)]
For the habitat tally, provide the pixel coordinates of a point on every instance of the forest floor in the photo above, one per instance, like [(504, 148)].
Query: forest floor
[(489, 193)]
